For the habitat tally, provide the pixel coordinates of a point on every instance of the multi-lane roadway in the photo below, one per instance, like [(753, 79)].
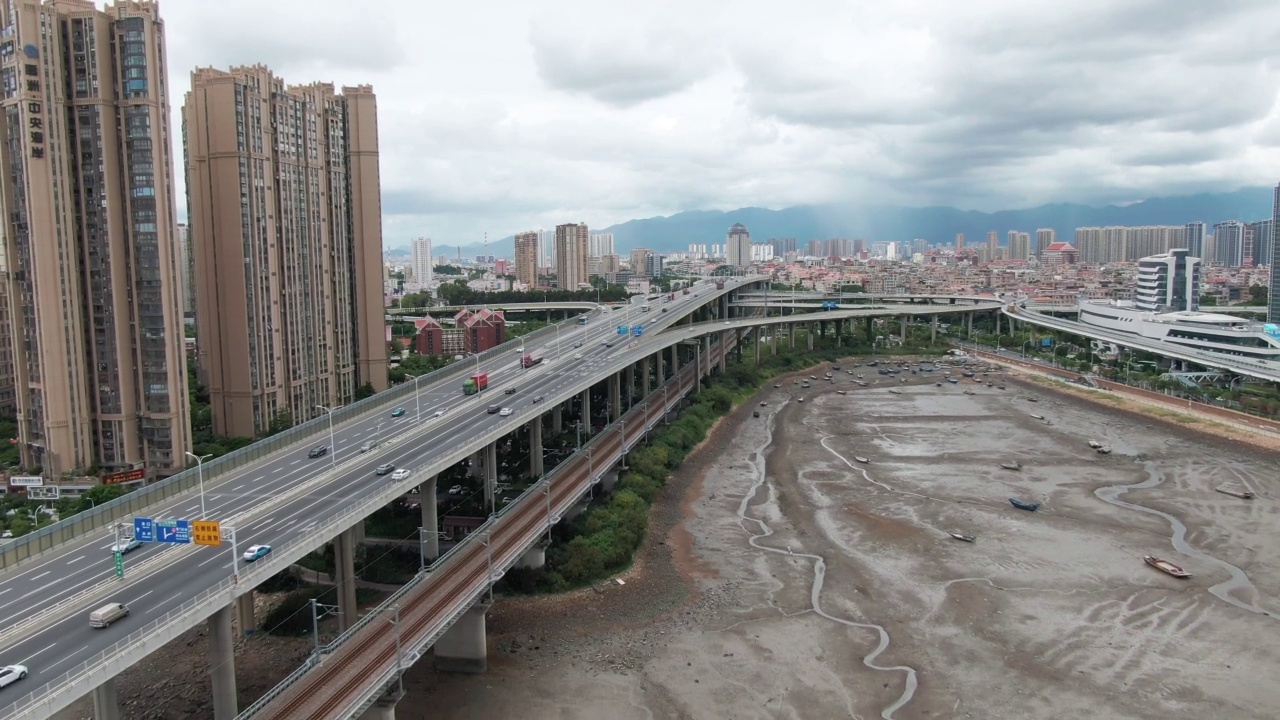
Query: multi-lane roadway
[(159, 578)]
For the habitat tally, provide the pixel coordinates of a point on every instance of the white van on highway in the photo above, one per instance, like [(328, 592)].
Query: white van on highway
[(107, 614)]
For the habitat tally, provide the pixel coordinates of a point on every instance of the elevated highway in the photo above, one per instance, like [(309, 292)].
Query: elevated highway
[(1241, 366), (279, 496)]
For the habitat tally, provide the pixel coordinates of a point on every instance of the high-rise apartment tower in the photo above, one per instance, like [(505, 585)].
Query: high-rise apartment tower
[(572, 268), (527, 258), (738, 246), (286, 219), (90, 238), (423, 267), (1273, 297)]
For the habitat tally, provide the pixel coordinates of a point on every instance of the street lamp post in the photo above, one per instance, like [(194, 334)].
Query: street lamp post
[(333, 446), (200, 473), (417, 399)]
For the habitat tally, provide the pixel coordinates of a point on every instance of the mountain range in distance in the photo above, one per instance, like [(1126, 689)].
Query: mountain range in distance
[(937, 225)]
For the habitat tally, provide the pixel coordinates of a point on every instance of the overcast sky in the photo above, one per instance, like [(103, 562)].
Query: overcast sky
[(505, 115)]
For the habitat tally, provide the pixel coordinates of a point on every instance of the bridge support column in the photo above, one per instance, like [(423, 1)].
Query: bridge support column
[(933, 330), (675, 359), (430, 522), (222, 664), (615, 397), (773, 337), (706, 350), (384, 708), (586, 411), (463, 647), (491, 474), (902, 326), (534, 557), (662, 367), (871, 331), (968, 319), (791, 334), (557, 420), (105, 704), (473, 468), (344, 564), (808, 331), (998, 313), (645, 369), (535, 449), (724, 343), (244, 614)]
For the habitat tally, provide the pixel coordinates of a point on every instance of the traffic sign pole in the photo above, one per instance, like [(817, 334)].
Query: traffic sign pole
[(235, 559), (119, 555)]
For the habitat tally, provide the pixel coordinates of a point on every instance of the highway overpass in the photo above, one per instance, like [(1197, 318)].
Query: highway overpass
[(273, 493), (1241, 366)]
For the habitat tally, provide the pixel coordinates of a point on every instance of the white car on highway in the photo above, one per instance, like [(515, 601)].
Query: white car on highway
[(401, 474), (11, 674), (125, 546), (505, 412)]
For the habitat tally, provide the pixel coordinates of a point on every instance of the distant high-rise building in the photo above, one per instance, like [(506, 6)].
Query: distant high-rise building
[(816, 248), (1195, 239), (610, 264), (1168, 282), (993, 243), (1019, 245), (94, 365), (601, 244), (527, 258), (738, 246), (572, 250), (1228, 243), (782, 246), (1044, 238), (959, 241), (421, 263), (1273, 297), (289, 292), (640, 261), (187, 270), (1263, 240), (1089, 242)]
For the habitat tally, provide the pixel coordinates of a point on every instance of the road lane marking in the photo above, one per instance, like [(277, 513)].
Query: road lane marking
[(76, 559), (56, 664), (162, 602), (37, 577), (28, 659), (211, 559), (135, 600)]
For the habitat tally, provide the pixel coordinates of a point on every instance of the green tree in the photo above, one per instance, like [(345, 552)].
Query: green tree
[(282, 420), (97, 495), (1208, 301), (447, 270), (364, 391), (1257, 296)]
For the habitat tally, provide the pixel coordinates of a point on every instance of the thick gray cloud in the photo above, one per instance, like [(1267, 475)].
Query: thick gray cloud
[(502, 116)]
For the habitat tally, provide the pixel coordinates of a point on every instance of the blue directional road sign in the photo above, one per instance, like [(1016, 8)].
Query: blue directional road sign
[(637, 330), (622, 329), (173, 531), (144, 530)]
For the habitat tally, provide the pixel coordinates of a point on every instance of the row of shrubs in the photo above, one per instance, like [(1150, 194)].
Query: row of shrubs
[(603, 540)]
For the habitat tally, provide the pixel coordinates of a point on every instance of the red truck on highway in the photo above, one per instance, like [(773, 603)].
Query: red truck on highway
[(530, 359), (475, 383)]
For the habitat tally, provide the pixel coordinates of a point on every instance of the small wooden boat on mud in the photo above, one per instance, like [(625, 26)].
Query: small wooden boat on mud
[(1011, 465), (1104, 450), (1242, 494), (1166, 566), (1022, 505), (842, 392), (962, 536), (861, 459), (952, 380), (1095, 444), (895, 391), (1038, 417), (968, 392)]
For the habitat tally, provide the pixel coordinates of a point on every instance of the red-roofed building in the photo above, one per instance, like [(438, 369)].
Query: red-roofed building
[(1059, 253)]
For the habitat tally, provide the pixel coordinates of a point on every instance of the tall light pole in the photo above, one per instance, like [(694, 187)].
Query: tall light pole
[(417, 400), (200, 473), (333, 447)]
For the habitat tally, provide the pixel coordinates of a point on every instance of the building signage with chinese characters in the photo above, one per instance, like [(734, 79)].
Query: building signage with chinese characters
[(124, 477), (25, 480), (35, 108), (206, 532)]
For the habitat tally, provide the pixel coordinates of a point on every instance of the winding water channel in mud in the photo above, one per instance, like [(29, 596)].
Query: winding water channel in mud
[(759, 478)]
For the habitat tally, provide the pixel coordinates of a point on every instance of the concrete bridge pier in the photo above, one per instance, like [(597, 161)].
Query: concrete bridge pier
[(490, 474), (557, 419), (222, 664), (968, 320), (791, 334), (344, 564), (773, 338), (662, 367), (430, 522), (871, 331), (105, 704), (462, 648), (244, 614), (645, 369), (902, 327), (933, 330), (630, 373), (615, 397), (808, 331), (706, 349), (675, 359), (384, 708), (534, 557), (586, 411), (724, 339), (535, 449)]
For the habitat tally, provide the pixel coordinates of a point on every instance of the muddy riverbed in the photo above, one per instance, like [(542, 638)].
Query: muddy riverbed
[(786, 578)]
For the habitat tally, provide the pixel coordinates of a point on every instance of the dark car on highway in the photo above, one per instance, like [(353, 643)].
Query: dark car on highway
[(318, 451)]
